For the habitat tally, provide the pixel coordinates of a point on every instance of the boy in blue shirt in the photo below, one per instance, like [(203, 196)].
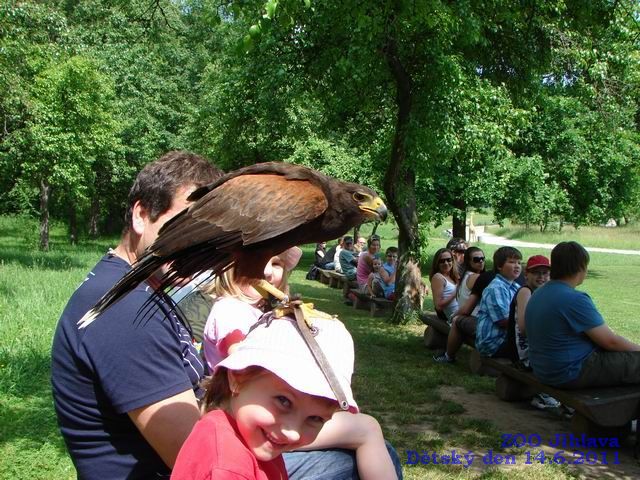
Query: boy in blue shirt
[(570, 346), (493, 315)]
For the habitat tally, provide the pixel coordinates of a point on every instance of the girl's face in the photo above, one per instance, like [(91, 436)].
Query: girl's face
[(273, 417), (445, 262), (273, 273), (477, 261), (374, 247)]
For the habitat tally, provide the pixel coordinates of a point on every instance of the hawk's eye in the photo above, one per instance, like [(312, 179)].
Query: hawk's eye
[(359, 197)]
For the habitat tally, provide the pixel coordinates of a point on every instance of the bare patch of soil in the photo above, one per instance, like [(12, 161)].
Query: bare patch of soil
[(522, 418)]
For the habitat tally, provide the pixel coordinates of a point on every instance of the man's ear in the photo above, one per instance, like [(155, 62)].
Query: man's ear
[(139, 218)]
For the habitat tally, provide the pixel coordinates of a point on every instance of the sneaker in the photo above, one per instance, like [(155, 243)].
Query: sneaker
[(444, 358), (543, 401)]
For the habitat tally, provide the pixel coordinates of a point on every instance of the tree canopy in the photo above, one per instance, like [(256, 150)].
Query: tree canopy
[(529, 108)]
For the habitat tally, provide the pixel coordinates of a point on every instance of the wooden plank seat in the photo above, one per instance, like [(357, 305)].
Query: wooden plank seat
[(600, 412), (336, 279), (325, 276), (376, 306), (437, 331)]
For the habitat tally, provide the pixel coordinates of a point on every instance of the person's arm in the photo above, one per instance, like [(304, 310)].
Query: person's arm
[(522, 299), (437, 286), (497, 307), (167, 424), (471, 280), (363, 434), (370, 285), (605, 338), (469, 305), (386, 277)]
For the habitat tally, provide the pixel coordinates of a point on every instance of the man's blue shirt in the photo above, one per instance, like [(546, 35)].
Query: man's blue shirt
[(556, 319)]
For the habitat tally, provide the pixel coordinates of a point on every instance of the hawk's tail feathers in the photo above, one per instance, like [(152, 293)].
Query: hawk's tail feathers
[(141, 270)]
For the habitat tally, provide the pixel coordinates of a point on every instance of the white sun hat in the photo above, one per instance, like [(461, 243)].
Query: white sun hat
[(277, 345)]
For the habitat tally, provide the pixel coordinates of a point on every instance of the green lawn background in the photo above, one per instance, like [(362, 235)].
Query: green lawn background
[(395, 379)]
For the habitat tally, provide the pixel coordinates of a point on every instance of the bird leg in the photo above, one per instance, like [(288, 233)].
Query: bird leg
[(285, 306)]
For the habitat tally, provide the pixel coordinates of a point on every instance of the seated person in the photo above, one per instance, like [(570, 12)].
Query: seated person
[(321, 259), (348, 261), (444, 281), (493, 314), (458, 246), (536, 274), (360, 246), (464, 321), (570, 346), (365, 261), (251, 398), (336, 256), (329, 258), (382, 282)]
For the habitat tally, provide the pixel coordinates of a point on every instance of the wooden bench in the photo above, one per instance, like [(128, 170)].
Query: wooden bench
[(598, 411), (437, 331), (376, 306), (336, 279), (324, 276)]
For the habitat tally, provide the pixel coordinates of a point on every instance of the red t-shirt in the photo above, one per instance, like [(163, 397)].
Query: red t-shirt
[(215, 451)]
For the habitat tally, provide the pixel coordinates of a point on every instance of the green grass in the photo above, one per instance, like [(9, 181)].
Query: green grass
[(395, 379)]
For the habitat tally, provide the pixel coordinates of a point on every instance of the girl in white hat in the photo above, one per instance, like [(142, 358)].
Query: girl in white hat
[(236, 309), (267, 397)]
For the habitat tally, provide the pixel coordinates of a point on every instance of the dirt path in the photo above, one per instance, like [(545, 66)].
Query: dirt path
[(521, 418), (496, 240)]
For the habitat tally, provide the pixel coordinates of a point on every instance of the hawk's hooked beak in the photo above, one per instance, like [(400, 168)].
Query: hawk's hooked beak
[(375, 207)]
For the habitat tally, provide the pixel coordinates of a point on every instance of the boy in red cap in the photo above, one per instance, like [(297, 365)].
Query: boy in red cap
[(537, 273)]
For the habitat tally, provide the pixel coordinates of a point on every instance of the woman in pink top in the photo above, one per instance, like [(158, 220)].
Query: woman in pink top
[(365, 260)]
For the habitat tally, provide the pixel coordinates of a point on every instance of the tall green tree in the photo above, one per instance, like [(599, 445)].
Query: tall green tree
[(71, 132)]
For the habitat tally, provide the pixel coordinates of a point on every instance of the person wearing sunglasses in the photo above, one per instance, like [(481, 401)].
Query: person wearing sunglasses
[(537, 273), (444, 280), (472, 267), (458, 246)]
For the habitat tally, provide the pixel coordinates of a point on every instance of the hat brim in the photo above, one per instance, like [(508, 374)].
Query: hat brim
[(302, 375)]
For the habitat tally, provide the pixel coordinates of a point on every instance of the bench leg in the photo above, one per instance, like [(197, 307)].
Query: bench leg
[(511, 390), (581, 424), (434, 340), (476, 366)]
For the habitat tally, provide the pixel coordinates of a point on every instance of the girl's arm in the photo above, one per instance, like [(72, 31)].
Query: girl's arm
[(388, 279), (521, 301), (363, 434), (437, 286), (471, 280)]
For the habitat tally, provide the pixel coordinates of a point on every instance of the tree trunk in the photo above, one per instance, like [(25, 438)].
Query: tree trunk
[(93, 216), (459, 220), (375, 228), (399, 180), (45, 190), (73, 224), (356, 233)]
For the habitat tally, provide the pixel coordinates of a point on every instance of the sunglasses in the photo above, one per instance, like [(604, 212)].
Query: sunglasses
[(477, 259), (445, 260)]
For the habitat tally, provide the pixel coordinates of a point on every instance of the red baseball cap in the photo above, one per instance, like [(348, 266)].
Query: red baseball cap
[(538, 261)]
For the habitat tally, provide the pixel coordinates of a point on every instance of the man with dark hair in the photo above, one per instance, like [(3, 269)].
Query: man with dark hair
[(125, 387), (570, 346), (493, 314)]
